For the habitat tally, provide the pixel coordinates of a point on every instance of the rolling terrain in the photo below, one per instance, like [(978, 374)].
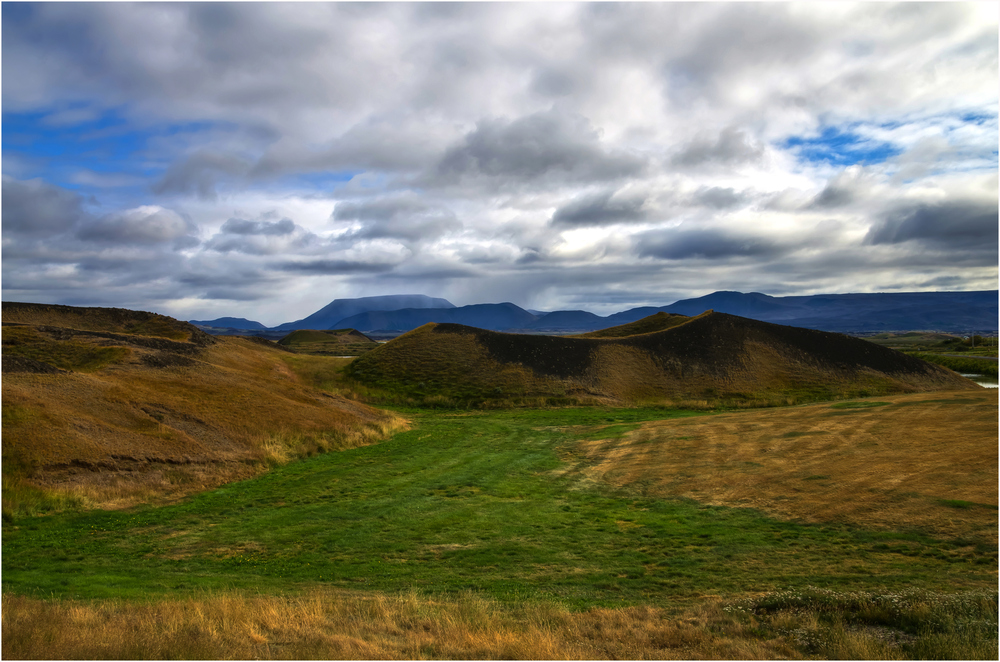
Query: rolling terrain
[(342, 342), (862, 529), (711, 358), (111, 406)]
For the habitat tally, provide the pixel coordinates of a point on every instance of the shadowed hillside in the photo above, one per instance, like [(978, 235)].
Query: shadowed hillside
[(111, 406), (712, 358)]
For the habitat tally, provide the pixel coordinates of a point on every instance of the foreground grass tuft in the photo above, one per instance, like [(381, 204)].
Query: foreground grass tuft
[(909, 624), (326, 624)]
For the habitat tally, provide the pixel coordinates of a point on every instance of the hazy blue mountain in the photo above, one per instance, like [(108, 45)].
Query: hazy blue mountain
[(955, 312), (753, 305), (230, 323), (569, 320), (492, 316), (895, 311), (329, 315), (629, 316)]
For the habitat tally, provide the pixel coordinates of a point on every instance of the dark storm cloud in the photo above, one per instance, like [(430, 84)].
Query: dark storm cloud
[(951, 225), (144, 225), (680, 244), (600, 209), (732, 147), (833, 196), (242, 226), (36, 208), (540, 147), (261, 237), (200, 173), (405, 217), (334, 267)]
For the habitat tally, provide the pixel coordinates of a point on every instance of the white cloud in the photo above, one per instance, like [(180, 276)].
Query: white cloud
[(573, 155)]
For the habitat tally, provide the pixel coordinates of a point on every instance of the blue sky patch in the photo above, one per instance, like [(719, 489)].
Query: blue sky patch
[(840, 148), (108, 145)]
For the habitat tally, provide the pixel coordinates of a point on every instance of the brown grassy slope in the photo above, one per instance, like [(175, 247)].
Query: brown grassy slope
[(922, 461), (712, 358), (170, 416), (103, 320), (655, 322), (333, 625)]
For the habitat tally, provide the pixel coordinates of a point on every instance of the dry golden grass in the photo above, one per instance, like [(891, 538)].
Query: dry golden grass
[(130, 432), (340, 625), (927, 461), (114, 320)]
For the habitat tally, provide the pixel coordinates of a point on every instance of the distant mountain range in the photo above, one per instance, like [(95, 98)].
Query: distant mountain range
[(955, 312), (231, 323), (328, 316)]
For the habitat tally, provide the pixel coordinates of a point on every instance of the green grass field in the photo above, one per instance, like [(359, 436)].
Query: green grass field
[(468, 502)]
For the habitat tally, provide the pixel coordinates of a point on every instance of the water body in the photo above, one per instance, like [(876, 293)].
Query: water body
[(982, 380)]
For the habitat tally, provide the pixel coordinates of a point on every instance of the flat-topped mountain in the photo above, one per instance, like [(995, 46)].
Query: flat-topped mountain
[(231, 323), (711, 357), (483, 315), (329, 316)]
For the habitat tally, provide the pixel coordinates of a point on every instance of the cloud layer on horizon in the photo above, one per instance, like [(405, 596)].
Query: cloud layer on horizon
[(259, 160)]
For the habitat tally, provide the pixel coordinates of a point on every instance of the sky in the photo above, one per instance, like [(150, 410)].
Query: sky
[(260, 160)]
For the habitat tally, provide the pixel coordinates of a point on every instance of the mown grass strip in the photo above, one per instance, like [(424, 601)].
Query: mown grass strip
[(494, 503)]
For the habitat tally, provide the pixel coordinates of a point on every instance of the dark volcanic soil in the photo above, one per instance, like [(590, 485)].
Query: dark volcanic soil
[(712, 342)]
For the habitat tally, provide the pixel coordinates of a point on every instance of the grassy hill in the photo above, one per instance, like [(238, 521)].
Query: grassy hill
[(656, 322), (107, 406), (711, 359), (335, 342)]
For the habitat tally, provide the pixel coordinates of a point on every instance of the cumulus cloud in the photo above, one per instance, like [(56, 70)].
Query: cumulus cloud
[(542, 147), (149, 224), (953, 224), (37, 208), (710, 244), (718, 197), (400, 217), (555, 155), (200, 173), (601, 209), (731, 147), (261, 237)]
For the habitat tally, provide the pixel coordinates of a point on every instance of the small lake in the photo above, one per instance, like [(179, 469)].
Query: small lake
[(982, 380)]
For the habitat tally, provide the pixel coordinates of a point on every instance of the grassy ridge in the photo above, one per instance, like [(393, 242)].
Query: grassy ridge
[(102, 320), (657, 322), (335, 342)]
